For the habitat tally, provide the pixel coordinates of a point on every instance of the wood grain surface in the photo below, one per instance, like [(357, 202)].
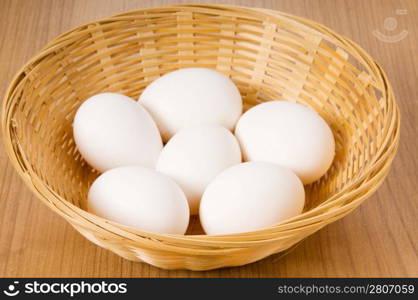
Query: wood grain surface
[(378, 239)]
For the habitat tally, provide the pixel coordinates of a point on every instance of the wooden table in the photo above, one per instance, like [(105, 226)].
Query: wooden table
[(378, 239)]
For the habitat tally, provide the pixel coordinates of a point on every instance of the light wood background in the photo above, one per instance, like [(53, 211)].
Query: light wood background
[(378, 239)]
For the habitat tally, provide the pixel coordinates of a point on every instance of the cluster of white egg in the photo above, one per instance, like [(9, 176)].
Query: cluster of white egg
[(200, 170)]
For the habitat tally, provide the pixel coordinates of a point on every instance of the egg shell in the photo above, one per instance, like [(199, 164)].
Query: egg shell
[(140, 198), (250, 196), (195, 155), (288, 134), (189, 97), (112, 130)]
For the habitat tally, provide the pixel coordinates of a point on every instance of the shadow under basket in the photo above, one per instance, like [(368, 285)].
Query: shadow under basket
[(268, 54)]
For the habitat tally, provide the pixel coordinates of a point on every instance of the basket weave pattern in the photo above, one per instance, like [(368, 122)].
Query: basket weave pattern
[(269, 55)]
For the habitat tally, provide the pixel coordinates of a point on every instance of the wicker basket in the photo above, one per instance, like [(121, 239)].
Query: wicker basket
[(268, 54)]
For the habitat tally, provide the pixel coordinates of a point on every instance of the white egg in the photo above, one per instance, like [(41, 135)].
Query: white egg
[(250, 196), (112, 130), (140, 198), (195, 155), (189, 97), (288, 134)]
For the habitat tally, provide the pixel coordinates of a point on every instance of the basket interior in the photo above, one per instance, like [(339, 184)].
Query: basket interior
[(267, 58)]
